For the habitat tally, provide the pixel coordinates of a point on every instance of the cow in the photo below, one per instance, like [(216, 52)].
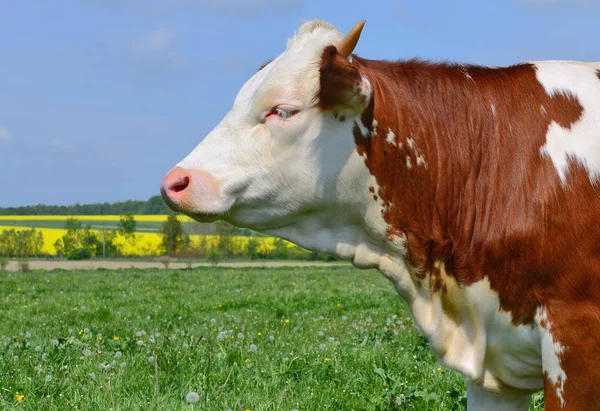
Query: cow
[(473, 189)]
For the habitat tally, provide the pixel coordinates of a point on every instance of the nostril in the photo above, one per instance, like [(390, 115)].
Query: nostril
[(180, 185)]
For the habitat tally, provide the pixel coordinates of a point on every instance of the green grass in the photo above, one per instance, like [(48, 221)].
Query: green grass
[(330, 338)]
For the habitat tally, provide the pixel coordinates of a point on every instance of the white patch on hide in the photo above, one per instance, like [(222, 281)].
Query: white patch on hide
[(391, 138), (582, 140), (551, 351)]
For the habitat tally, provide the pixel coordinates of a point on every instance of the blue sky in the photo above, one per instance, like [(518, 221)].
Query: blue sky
[(99, 98)]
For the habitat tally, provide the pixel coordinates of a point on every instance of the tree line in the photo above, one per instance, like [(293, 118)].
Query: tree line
[(154, 205)]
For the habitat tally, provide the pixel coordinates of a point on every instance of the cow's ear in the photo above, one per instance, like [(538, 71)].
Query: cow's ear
[(343, 89)]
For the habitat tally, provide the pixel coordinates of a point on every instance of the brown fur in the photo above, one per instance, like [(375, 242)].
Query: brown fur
[(487, 203)]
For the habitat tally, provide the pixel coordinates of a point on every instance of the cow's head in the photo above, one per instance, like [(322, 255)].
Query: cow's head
[(285, 152)]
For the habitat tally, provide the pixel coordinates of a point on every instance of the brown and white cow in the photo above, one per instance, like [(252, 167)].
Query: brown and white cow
[(473, 189)]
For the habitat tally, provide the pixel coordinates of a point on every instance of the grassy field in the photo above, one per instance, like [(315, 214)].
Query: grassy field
[(246, 339)]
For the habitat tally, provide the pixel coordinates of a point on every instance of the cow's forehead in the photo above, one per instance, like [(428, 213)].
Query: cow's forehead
[(295, 71)]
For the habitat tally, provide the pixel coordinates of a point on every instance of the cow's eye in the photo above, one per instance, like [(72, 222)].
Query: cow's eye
[(282, 112)]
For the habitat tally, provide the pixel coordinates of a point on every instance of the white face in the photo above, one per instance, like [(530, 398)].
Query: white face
[(274, 156)]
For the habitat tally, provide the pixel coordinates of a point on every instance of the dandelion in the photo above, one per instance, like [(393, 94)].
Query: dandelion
[(287, 320), (38, 348), (344, 318), (86, 352), (240, 336), (44, 356), (115, 338), (253, 348), (19, 397), (271, 338), (80, 332), (55, 342), (86, 330), (331, 339), (37, 368), (192, 397), (123, 365), (27, 334), (48, 378), (151, 358), (16, 358), (118, 354), (320, 333), (322, 346), (140, 343), (326, 359)]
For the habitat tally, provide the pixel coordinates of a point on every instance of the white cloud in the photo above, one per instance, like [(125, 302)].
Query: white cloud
[(155, 42), (5, 135), (61, 146)]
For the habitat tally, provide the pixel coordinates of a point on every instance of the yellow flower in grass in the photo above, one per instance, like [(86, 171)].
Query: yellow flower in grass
[(327, 359), (115, 338), (19, 397)]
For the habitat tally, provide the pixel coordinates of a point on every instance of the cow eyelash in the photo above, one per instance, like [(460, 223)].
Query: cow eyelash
[(283, 113)]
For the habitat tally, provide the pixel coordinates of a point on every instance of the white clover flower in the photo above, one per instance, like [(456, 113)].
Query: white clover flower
[(331, 339), (271, 338), (140, 343), (253, 348), (123, 365), (55, 342), (320, 333), (38, 348), (213, 320), (86, 330), (139, 334), (48, 378), (37, 368), (192, 397), (118, 354), (151, 358), (240, 336), (27, 334), (148, 318), (221, 336)]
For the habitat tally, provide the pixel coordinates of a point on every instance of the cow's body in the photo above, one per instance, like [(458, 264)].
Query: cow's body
[(474, 190)]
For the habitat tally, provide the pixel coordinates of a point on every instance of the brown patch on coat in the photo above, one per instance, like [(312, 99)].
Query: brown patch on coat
[(598, 74), (489, 204)]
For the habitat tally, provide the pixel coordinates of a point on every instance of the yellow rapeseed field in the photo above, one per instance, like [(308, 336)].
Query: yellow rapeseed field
[(149, 243), (145, 218)]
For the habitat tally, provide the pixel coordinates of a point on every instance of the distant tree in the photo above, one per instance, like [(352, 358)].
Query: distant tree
[(82, 242), (127, 226), (173, 236), (21, 243)]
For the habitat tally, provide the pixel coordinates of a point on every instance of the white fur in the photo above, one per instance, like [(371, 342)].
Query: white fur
[(581, 140), (551, 351), (391, 138), (479, 399)]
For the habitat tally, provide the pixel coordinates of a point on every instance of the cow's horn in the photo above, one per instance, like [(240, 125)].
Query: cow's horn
[(346, 46)]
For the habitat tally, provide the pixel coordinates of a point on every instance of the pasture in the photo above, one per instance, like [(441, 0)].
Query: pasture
[(331, 338)]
